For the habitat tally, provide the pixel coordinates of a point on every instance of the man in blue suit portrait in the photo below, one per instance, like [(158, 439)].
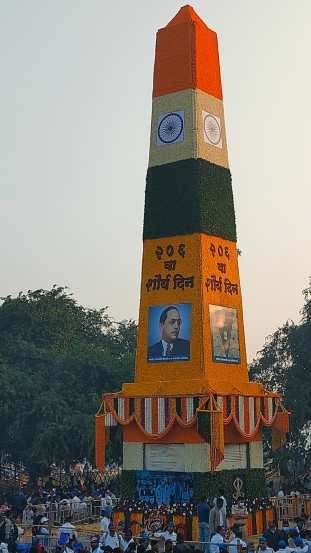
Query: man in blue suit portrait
[(170, 347)]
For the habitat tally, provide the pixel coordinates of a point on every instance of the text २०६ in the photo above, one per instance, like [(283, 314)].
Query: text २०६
[(169, 251), (219, 250)]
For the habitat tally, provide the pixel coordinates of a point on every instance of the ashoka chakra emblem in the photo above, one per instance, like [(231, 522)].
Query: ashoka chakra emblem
[(212, 129), (170, 128)]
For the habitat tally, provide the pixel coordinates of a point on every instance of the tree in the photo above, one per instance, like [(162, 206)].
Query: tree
[(56, 359), (284, 365)]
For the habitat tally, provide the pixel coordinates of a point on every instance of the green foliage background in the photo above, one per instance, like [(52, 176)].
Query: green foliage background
[(56, 359), (284, 365)]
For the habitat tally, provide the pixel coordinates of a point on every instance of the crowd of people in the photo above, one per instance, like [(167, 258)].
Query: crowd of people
[(37, 513), (49, 519)]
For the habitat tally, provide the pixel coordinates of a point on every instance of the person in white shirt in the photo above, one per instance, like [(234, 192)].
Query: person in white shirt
[(75, 504), (112, 496), (217, 516), (263, 546), (67, 528), (105, 522), (126, 539), (111, 537), (301, 547), (234, 538), (168, 534), (95, 546), (144, 541), (236, 544), (217, 539), (283, 548), (224, 505), (69, 546)]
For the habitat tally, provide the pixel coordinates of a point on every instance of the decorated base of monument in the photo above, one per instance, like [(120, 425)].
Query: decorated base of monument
[(176, 448)]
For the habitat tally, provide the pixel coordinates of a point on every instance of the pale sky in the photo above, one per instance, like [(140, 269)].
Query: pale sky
[(75, 103)]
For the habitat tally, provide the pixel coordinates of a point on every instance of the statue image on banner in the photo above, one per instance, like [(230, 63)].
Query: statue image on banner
[(164, 488), (169, 332), (225, 334)]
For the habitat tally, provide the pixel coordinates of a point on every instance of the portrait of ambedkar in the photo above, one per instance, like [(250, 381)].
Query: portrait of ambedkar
[(169, 340)]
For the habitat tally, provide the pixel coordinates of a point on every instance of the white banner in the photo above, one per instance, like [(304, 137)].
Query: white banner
[(167, 457)]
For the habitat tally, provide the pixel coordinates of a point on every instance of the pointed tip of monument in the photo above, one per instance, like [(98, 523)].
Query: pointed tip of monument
[(186, 14)]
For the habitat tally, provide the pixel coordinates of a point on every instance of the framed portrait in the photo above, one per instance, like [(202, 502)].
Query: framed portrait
[(169, 332), (225, 334)]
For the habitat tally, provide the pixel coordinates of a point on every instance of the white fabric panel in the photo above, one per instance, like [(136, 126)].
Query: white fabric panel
[(220, 402), (161, 414), (170, 457), (133, 456), (241, 412), (109, 420), (121, 407), (251, 414), (148, 419), (189, 406), (235, 457)]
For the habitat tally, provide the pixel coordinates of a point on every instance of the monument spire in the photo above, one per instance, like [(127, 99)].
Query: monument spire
[(189, 208), (186, 56), (191, 404)]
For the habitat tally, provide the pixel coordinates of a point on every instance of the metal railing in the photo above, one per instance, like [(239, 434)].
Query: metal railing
[(57, 513), (291, 507)]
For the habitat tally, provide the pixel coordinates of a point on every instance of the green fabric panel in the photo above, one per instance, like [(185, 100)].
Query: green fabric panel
[(211, 483), (189, 196)]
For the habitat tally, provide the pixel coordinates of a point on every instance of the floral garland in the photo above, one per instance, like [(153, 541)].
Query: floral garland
[(185, 509), (258, 504)]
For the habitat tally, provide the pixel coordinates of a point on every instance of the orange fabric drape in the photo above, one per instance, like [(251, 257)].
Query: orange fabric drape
[(269, 515), (118, 516), (281, 422), (136, 523), (278, 439), (249, 524), (259, 522), (217, 439), (179, 519), (195, 529), (280, 429), (278, 419), (180, 524)]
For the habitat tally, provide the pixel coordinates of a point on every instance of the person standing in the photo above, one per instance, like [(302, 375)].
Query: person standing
[(203, 521), (217, 539), (217, 516), (95, 547), (273, 535), (181, 546), (222, 495), (105, 522), (168, 535), (235, 540), (66, 532), (126, 539), (8, 532), (111, 537), (263, 546)]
